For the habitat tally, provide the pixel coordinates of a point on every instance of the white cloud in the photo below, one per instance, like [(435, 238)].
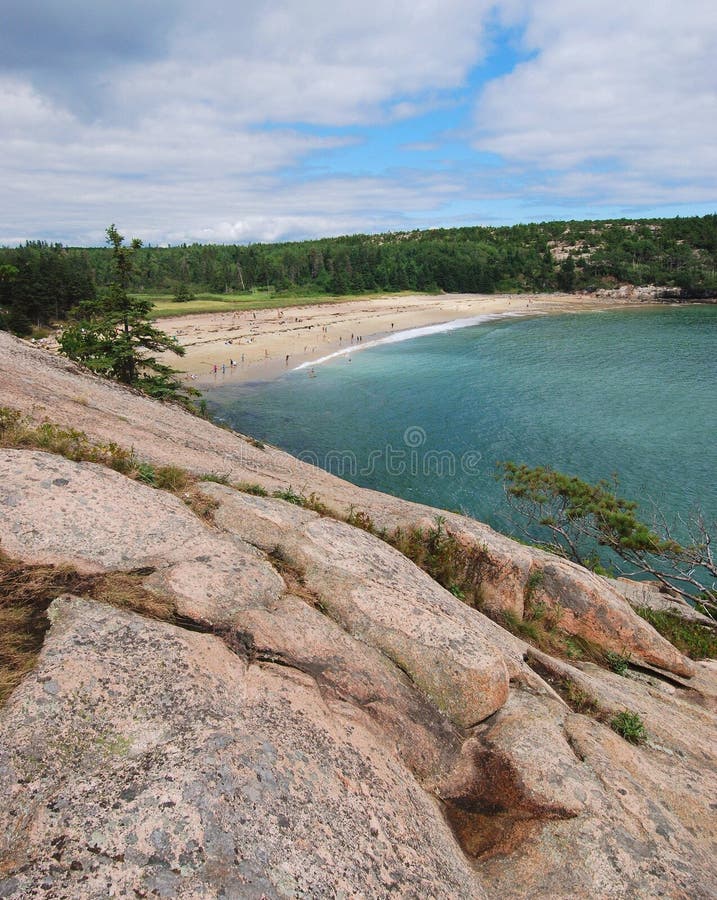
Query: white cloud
[(629, 87), (202, 121), (181, 139)]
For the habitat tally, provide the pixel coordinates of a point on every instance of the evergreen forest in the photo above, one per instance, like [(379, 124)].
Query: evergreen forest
[(40, 282)]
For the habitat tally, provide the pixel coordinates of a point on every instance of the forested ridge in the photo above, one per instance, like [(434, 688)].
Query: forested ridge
[(40, 283)]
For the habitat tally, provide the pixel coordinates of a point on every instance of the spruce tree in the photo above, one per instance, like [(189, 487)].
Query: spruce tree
[(114, 337)]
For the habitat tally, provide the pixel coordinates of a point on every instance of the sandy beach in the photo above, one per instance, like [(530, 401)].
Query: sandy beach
[(259, 345)]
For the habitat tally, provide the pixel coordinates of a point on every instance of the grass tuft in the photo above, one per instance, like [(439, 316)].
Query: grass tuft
[(215, 477), (19, 433), (255, 489), (201, 504), (459, 568), (630, 726), (172, 478), (691, 638), (618, 662), (360, 519), (289, 495)]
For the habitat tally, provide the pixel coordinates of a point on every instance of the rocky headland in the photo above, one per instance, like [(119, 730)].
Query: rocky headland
[(313, 715)]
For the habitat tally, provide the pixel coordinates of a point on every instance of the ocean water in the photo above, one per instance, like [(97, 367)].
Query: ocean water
[(631, 393)]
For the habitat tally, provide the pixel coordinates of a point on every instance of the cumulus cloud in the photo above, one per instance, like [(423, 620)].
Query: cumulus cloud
[(222, 120), (626, 88), (174, 112)]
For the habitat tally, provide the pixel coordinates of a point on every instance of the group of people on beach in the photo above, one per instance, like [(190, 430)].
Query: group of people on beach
[(233, 364)]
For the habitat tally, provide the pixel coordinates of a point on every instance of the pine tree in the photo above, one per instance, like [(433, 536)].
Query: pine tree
[(114, 337)]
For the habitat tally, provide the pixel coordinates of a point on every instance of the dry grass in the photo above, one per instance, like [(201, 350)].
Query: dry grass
[(201, 504), (576, 697), (293, 574), (18, 433), (26, 591), (459, 568)]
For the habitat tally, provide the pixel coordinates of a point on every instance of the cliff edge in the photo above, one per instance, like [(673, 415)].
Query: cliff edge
[(304, 712)]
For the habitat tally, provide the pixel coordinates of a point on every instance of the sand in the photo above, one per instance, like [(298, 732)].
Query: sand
[(264, 344)]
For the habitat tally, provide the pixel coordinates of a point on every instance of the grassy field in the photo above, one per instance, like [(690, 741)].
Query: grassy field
[(165, 306)]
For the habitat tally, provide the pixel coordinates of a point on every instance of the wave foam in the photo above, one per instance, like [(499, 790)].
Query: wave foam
[(411, 333)]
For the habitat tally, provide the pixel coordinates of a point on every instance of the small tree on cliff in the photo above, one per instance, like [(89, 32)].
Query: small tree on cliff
[(578, 518), (114, 337)]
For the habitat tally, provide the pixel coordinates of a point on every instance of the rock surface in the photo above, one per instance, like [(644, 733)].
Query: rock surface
[(48, 387), (641, 594), (166, 766), (328, 721)]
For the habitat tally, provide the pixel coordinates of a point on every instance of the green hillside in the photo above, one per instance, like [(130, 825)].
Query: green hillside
[(39, 283)]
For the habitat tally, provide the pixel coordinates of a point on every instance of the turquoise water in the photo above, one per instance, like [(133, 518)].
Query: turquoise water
[(632, 392)]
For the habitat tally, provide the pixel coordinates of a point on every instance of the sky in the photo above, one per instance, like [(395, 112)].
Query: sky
[(240, 121)]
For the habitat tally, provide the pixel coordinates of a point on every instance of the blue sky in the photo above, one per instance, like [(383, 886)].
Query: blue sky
[(262, 121)]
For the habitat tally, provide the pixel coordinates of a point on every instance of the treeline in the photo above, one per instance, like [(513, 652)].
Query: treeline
[(41, 282)]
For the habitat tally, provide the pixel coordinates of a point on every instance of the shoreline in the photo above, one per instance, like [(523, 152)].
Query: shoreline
[(260, 345)]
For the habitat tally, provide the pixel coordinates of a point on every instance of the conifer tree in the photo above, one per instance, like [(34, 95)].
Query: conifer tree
[(114, 337)]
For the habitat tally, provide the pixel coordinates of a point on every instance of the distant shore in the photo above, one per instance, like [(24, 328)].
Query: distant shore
[(263, 344)]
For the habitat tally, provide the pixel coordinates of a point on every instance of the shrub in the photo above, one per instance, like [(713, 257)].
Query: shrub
[(630, 726), (695, 640), (215, 477), (146, 472), (171, 478), (459, 568), (618, 662), (256, 489)]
